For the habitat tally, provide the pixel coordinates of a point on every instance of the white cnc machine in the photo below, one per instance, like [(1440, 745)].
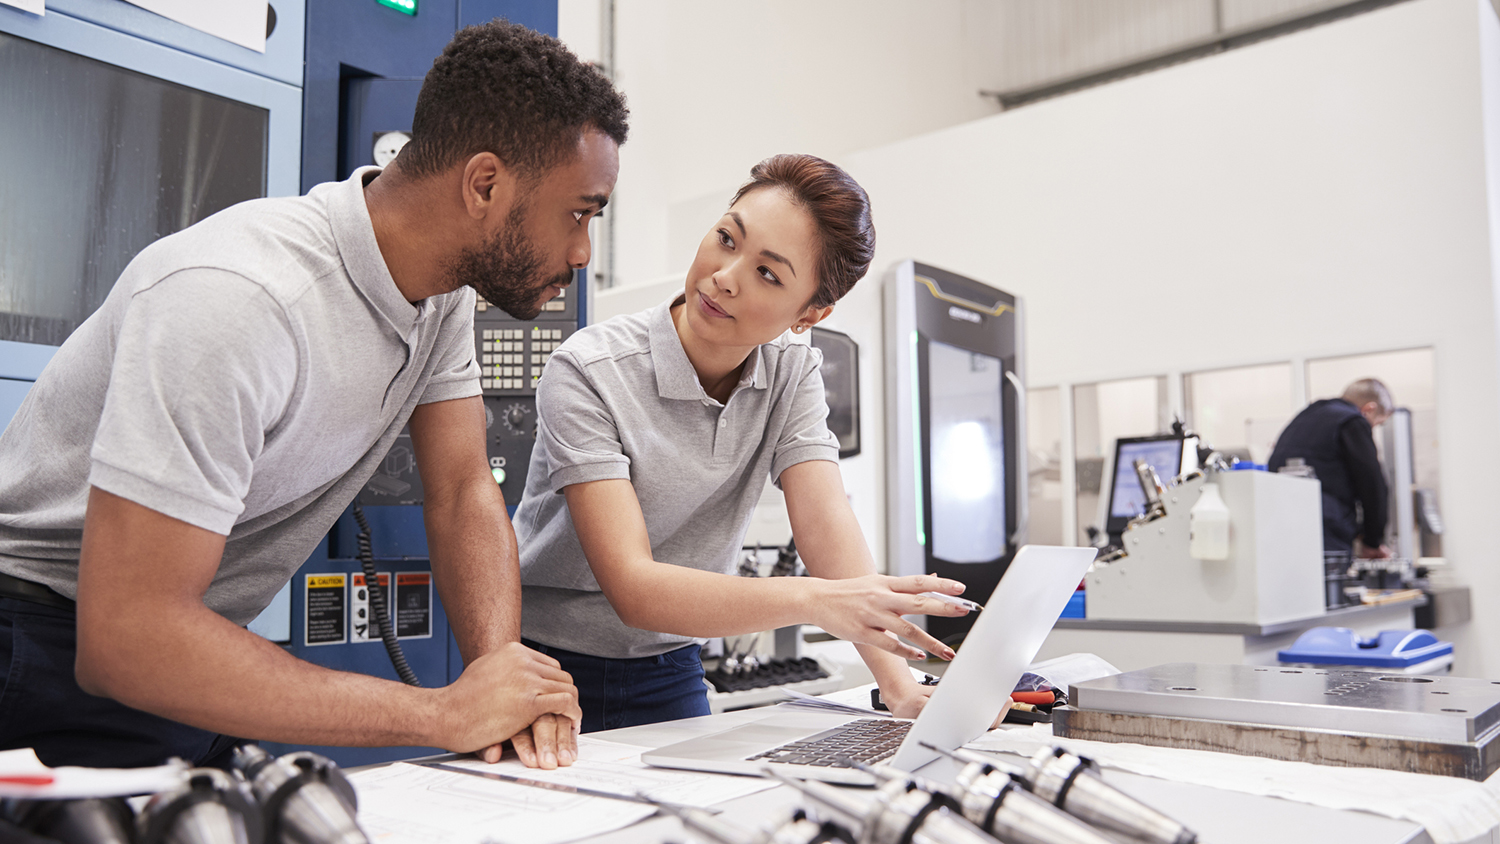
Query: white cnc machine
[(1272, 573)]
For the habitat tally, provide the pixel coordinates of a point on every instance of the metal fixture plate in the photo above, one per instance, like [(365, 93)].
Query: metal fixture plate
[(1450, 710), (1470, 760)]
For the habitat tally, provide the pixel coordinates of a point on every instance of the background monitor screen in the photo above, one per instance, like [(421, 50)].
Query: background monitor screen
[(966, 454), (1126, 501), (100, 162)]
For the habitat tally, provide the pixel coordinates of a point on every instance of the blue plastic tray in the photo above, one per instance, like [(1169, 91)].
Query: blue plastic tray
[(1340, 646), (1075, 607)]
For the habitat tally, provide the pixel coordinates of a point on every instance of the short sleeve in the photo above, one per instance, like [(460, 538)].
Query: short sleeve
[(205, 362), (576, 429), (805, 435), (454, 371)]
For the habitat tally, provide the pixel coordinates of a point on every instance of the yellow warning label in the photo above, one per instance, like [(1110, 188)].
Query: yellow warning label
[(325, 581)]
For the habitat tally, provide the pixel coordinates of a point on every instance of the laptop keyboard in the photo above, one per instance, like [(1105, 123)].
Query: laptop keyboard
[(869, 740)]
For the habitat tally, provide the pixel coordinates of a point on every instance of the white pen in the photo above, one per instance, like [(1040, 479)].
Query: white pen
[(956, 601)]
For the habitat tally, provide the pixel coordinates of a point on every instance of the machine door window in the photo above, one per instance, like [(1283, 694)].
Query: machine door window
[(966, 453)]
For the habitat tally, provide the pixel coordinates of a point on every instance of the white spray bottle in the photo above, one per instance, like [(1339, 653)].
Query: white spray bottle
[(1208, 526)]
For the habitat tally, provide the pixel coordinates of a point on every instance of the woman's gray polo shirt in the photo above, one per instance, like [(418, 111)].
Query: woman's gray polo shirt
[(620, 400)]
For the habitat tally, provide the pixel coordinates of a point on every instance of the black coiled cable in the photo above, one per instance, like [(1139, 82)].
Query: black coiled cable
[(378, 609)]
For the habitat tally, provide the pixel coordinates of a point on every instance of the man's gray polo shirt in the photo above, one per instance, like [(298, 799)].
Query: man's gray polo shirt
[(620, 400), (245, 375)]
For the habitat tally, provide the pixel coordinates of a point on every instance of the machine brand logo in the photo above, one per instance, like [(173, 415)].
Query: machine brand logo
[(964, 314)]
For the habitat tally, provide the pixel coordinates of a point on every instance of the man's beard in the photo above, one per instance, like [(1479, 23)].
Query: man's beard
[(506, 270)]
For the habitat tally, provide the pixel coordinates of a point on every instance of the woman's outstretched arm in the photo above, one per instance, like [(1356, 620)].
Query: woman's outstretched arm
[(832, 546), (667, 598)]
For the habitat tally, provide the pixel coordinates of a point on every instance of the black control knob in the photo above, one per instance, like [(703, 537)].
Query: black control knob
[(516, 416)]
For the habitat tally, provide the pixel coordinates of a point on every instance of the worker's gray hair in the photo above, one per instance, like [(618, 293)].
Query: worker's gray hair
[(1367, 390)]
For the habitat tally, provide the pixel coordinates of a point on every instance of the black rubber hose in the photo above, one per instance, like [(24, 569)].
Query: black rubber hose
[(378, 610)]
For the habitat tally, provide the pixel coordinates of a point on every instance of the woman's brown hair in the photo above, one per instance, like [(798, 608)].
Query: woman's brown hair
[(840, 209)]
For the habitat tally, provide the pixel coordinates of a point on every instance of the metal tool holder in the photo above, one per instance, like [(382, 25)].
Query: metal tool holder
[(92, 820), (900, 813), (212, 807), (997, 801), (304, 797), (799, 828)]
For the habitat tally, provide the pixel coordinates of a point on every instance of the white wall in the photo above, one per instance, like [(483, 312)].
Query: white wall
[(1317, 194), (715, 87)]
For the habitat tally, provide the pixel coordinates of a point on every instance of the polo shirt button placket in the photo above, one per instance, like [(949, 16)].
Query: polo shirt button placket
[(719, 434)]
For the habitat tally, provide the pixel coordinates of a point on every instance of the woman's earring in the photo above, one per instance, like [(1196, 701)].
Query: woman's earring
[(799, 328)]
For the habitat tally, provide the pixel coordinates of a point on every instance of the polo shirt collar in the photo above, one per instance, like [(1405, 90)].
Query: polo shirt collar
[(675, 376), (349, 218)]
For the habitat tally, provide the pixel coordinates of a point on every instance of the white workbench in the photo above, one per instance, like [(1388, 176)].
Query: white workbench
[(1220, 817)]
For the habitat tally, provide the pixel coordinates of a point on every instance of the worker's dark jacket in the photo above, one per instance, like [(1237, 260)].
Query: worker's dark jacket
[(1337, 442)]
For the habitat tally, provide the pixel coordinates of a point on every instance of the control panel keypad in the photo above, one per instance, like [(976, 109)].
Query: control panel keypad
[(512, 354), (502, 353), (512, 357)]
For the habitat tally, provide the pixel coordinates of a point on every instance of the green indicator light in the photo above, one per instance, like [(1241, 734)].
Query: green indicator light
[(916, 436), (499, 475), (405, 7)]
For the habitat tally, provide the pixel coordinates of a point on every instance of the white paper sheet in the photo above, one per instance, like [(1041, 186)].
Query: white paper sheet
[(1064, 671), (1452, 810), (855, 701), (615, 767), (69, 782), (408, 804), (36, 7), (847, 702)]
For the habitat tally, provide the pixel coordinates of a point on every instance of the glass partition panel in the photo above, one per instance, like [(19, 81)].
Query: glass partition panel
[(1102, 413), (1044, 491), (1240, 411)]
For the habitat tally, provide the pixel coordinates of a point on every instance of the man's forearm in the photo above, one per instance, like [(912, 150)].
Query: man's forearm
[(192, 665), (476, 566), (146, 639)]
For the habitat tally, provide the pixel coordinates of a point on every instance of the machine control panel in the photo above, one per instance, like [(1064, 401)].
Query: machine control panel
[(511, 359), (512, 355)]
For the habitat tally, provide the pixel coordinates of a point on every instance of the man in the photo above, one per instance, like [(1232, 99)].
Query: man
[(192, 442), (1336, 438)]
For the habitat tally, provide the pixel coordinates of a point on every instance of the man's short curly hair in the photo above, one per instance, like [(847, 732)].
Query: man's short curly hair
[(500, 87)]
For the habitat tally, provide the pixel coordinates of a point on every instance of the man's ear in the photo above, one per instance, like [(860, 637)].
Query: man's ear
[(489, 187)]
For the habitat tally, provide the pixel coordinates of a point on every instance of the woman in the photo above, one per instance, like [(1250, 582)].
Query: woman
[(656, 433)]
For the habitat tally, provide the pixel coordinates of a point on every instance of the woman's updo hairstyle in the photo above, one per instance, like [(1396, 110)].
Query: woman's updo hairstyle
[(840, 209)]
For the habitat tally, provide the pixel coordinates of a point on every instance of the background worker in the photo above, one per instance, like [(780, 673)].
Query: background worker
[(1336, 438)]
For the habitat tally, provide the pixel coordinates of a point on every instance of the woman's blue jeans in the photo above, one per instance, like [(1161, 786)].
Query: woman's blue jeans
[(618, 693)]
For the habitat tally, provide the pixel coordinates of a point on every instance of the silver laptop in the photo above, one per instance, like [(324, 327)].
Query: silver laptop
[(1004, 640)]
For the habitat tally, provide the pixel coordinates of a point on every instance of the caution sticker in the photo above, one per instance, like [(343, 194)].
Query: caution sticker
[(325, 619), (363, 626), (414, 605)]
